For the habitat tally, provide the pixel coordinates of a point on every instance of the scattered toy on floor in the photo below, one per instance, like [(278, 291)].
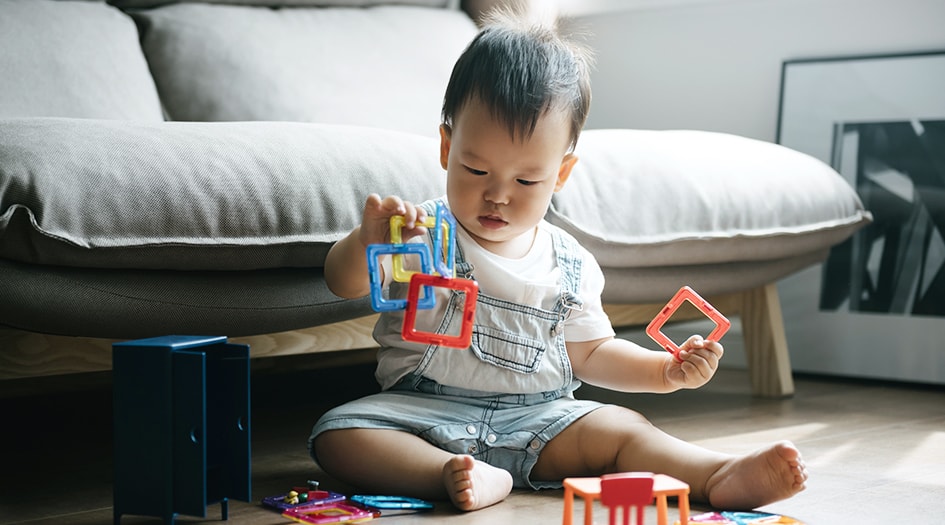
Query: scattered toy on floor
[(309, 504)]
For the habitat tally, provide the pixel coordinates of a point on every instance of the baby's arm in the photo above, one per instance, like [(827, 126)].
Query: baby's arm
[(621, 365), (346, 270)]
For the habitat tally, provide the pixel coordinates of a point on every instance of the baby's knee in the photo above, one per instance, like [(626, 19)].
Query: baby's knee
[(622, 417), (329, 446)]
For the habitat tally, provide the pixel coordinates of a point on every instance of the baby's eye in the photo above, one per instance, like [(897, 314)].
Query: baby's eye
[(524, 182), (474, 171)]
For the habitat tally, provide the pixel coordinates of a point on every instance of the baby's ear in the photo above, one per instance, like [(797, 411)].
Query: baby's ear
[(445, 140), (567, 164)]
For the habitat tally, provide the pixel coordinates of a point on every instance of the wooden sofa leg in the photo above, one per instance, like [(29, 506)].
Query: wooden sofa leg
[(766, 350)]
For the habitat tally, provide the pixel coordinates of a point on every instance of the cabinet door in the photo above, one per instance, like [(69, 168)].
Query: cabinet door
[(190, 433), (233, 365), (143, 430)]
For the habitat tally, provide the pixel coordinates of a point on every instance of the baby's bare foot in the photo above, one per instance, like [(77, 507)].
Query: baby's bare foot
[(473, 484), (768, 475)]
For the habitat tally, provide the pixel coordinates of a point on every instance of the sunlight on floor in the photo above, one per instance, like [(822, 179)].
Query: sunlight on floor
[(930, 452), (763, 437)]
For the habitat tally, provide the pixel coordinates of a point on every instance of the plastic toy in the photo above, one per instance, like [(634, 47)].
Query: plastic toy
[(742, 518), (385, 503), (447, 226), (589, 489), (409, 331), (201, 384), (445, 265), (330, 513), (377, 294), (308, 504), (437, 269), (685, 294), (629, 490), (311, 497)]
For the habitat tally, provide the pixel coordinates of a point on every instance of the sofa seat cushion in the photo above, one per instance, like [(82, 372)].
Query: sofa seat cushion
[(133, 304), (255, 195), (72, 59), (656, 284), (648, 203), (196, 196), (234, 63)]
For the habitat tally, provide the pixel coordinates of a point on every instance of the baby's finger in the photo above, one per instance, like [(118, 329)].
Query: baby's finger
[(715, 347), (411, 215), (694, 341), (700, 362), (393, 205)]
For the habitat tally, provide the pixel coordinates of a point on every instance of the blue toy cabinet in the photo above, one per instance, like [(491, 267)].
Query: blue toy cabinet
[(181, 425)]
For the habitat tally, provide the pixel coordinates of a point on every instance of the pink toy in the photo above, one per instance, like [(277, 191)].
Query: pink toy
[(685, 294), (626, 491), (330, 513), (742, 518), (410, 332)]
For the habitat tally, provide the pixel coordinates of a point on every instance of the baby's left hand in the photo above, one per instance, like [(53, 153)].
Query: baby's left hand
[(697, 363)]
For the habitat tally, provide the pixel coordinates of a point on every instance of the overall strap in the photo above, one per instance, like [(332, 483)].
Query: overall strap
[(570, 262)]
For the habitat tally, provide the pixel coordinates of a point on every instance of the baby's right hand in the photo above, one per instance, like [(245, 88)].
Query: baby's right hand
[(375, 223)]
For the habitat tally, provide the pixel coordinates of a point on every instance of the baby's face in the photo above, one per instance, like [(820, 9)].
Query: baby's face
[(499, 187)]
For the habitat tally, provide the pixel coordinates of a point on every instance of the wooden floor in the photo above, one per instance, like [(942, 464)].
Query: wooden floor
[(876, 451)]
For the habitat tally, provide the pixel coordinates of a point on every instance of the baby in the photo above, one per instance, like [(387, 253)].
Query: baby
[(471, 424)]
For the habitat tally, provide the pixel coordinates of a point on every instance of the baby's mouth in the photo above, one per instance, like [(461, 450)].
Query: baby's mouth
[(492, 222)]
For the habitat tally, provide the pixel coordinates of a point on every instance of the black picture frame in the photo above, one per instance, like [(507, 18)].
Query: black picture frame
[(879, 120)]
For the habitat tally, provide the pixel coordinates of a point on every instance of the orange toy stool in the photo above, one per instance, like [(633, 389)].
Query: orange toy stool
[(589, 489)]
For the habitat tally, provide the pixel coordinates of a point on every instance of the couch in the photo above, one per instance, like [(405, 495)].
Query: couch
[(183, 168)]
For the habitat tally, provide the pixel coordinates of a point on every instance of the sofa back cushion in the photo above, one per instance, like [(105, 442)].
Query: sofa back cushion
[(384, 66), (72, 59)]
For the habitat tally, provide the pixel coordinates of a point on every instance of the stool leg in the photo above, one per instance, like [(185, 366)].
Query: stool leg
[(684, 509), (661, 511), (568, 506), (588, 511)]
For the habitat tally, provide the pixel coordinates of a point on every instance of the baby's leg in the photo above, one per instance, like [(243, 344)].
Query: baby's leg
[(395, 462), (616, 439)]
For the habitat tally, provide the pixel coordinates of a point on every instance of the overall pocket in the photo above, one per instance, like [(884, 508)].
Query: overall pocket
[(507, 350)]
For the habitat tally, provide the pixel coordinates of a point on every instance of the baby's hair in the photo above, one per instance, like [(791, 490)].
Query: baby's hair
[(521, 69)]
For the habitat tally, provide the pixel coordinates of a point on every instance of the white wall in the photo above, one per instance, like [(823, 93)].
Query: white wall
[(716, 64)]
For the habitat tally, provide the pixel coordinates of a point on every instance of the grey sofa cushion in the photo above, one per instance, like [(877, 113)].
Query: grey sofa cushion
[(234, 63), (72, 59), (656, 284), (131, 304), (196, 196), (237, 196), (640, 198)]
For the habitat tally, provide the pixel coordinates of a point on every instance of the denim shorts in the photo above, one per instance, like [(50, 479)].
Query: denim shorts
[(503, 434)]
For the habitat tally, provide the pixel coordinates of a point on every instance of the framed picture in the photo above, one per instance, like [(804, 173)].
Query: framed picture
[(876, 307)]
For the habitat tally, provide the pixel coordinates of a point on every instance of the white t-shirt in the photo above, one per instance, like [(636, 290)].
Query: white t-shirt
[(531, 280)]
